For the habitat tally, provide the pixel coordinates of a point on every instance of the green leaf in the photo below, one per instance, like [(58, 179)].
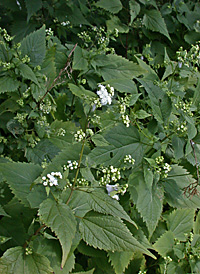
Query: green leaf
[(61, 220), (149, 201), (2, 212), (48, 66), (120, 260), (177, 179), (116, 67), (141, 114), (32, 7), (80, 91), (134, 10), (33, 45), (20, 177), (8, 84), (196, 227), (28, 73), (113, 6), (165, 243), (123, 85), (123, 141), (79, 61), (115, 23), (102, 203), (85, 272), (180, 222), (109, 233), (178, 145), (154, 21), (15, 262)]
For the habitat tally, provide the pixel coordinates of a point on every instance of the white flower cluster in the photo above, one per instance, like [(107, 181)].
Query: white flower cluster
[(162, 168), (111, 174), (126, 120), (129, 159), (182, 128), (65, 23), (185, 107), (79, 135), (159, 160), (71, 165), (166, 168), (105, 94), (51, 179), (49, 32)]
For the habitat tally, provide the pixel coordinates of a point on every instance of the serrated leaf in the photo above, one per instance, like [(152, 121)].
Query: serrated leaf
[(180, 222), (120, 260), (2, 212), (123, 141), (116, 67), (20, 177), (148, 200), (177, 179), (178, 145), (27, 73), (15, 262), (101, 202), (123, 85), (48, 66), (165, 243), (33, 45), (80, 91), (134, 10), (154, 21), (61, 220), (8, 84), (109, 233), (86, 272), (115, 23), (113, 6), (79, 61), (32, 7)]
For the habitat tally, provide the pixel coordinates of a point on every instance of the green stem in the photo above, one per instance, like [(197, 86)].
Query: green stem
[(77, 172)]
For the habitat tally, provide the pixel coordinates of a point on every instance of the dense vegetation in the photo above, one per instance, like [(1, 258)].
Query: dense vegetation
[(99, 122)]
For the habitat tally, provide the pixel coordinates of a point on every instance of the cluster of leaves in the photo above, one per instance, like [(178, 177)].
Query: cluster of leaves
[(90, 185)]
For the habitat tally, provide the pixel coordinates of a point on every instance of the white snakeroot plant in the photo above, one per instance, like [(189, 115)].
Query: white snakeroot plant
[(71, 165), (79, 135)]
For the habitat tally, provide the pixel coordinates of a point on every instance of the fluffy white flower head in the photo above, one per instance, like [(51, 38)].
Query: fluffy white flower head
[(105, 94)]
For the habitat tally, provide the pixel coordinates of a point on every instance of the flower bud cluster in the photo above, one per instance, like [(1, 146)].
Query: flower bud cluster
[(65, 23), (61, 132), (26, 93), (21, 118), (168, 259), (82, 182), (5, 35), (185, 107), (126, 120), (20, 102), (3, 140), (79, 135), (49, 32), (28, 251), (142, 272), (51, 179), (26, 59), (95, 120), (46, 107), (42, 121), (189, 58), (162, 168), (71, 165), (105, 94), (179, 127), (110, 174), (128, 159), (182, 128), (6, 66)]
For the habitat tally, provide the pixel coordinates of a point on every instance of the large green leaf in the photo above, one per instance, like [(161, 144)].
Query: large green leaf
[(113, 6), (165, 243), (61, 220), (49, 66), (154, 21), (101, 202), (122, 141), (116, 67), (8, 84), (80, 91), (148, 199), (33, 45), (109, 233), (32, 7), (123, 85), (2, 212), (14, 261), (27, 73), (180, 222), (174, 185), (20, 177), (120, 260)]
